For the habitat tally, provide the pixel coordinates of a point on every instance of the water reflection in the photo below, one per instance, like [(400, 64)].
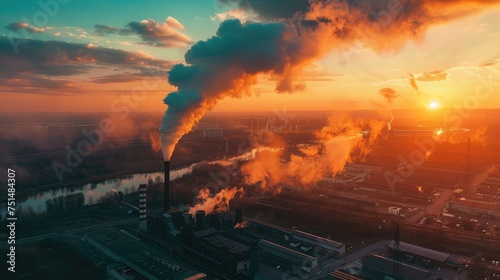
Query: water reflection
[(128, 184)]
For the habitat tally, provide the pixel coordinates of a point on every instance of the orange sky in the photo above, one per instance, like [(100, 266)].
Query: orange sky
[(465, 50)]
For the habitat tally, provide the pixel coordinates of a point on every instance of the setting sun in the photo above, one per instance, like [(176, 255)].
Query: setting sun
[(433, 105)]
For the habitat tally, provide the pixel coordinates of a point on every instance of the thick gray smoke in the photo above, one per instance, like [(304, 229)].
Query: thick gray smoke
[(223, 66)]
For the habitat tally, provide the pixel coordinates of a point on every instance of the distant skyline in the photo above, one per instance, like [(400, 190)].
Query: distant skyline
[(92, 56)]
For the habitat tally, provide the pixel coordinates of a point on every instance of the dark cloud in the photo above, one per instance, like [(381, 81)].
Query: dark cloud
[(389, 94), (434, 76), (59, 52), (49, 64), (18, 27), (161, 34), (106, 29)]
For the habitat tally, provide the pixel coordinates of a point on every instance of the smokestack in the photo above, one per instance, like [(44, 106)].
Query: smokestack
[(215, 220), (200, 219), (166, 196), (238, 215), (142, 208)]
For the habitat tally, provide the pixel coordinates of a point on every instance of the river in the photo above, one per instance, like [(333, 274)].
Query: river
[(93, 192)]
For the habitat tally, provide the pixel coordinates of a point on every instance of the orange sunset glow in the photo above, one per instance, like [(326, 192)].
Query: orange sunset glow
[(250, 139)]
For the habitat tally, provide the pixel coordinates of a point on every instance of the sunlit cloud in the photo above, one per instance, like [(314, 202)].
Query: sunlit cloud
[(159, 34)]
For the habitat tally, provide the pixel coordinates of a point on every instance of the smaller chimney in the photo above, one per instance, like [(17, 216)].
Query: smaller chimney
[(200, 220), (238, 215), (143, 223), (215, 221)]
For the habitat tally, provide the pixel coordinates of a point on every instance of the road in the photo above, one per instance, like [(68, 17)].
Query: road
[(435, 208)]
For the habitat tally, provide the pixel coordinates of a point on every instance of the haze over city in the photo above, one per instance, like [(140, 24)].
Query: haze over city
[(250, 139)]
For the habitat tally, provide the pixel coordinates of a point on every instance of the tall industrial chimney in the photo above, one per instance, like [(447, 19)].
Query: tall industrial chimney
[(142, 208), (166, 196)]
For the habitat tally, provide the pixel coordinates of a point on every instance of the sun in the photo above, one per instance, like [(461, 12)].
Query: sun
[(433, 105)]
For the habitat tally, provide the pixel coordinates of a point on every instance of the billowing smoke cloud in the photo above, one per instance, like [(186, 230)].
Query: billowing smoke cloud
[(389, 94), (342, 141), (223, 66), (215, 203), (227, 64), (243, 224)]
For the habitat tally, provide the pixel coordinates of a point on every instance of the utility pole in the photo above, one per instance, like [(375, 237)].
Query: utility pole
[(396, 250), (468, 167)]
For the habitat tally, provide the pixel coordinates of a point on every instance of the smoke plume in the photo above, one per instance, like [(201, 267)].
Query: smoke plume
[(227, 64), (243, 224), (340, 142), (215, 203)]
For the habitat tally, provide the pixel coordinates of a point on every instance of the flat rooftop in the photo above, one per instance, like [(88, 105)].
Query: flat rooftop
[(225, 243), (421, 251), (133, 252), (386, 266)]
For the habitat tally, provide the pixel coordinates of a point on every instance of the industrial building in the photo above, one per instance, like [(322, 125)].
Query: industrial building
[(128, 251), (320, 243), (340, 275), (435, 257), (212, 243), (303, 241), (383, 268), (394, 210), (225, 245), (282, 255), (476, 207)]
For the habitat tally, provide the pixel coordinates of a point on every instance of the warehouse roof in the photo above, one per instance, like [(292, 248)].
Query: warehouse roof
[(421, 251), (386, 266)]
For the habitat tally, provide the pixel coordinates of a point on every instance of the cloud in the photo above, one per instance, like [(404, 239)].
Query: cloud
[(236, 13), (160, 34), (487, 64), (413, 83), (269, 10), (37, 82), (106, 29), (389, 94), (229, 63), (18, 27), (49, 64), (434, 76)]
